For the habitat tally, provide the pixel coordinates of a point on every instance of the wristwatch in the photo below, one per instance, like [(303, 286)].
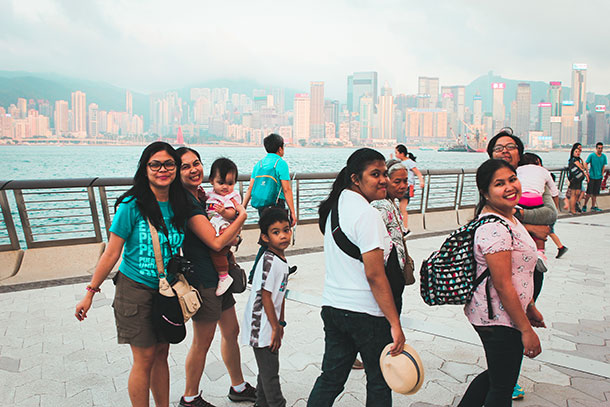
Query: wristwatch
[(282, 323)]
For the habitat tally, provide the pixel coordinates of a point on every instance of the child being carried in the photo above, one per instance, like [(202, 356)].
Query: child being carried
[(534, 177)]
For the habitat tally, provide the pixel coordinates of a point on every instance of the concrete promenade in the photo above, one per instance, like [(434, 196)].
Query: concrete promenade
[(48, 358)]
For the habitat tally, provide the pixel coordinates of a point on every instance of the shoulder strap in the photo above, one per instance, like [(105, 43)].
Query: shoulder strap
[(341, 240), (157, 249)]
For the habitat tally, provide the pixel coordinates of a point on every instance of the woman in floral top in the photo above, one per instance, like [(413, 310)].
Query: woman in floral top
[(511, 258), (390, 213)]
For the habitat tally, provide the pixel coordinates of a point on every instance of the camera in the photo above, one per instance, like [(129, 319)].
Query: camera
[(180, 265)]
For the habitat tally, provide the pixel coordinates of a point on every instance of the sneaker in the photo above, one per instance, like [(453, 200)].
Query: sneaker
[(198, 402), (223, 285), (518, 392), (578, 208), (292, 270), (584, 208), (595, 209), (562, 250), (248, 394)]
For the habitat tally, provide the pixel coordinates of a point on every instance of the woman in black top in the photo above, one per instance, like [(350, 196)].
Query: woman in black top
[(577, 172)]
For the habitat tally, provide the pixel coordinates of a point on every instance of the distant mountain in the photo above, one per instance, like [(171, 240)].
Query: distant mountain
[(482, 86), (54, 87)]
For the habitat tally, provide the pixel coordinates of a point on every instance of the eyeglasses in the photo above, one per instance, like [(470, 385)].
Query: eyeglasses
[(509, 147), (155, 166)]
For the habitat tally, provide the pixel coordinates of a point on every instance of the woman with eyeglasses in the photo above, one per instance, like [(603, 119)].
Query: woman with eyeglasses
[(156, 196)]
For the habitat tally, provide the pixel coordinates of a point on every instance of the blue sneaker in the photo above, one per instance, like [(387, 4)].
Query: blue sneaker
[(595, 209), (584, 208), (518, 392)]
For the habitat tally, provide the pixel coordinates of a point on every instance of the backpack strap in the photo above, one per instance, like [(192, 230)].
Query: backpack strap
[(341, 240)]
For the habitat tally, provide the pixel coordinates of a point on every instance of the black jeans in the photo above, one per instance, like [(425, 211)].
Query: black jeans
[(504, 353), (348, 333)]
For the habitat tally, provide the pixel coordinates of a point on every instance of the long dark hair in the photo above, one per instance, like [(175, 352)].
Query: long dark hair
[(574, 147), (508, 132), (485, 174), (145, 199), (356, 164)]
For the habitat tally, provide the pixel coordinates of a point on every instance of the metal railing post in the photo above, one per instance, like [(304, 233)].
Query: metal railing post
[(424, 202), (105, 209), (8, 221), (298, 194), (95, 219), (23, 215), (456, 197)]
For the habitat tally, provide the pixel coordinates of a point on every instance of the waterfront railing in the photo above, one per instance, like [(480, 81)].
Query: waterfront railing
[(60, 212)]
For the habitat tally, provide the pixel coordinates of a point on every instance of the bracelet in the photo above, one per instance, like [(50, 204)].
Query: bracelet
[(93, 290), (282, 323)]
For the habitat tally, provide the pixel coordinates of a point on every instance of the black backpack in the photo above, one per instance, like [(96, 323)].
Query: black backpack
[(448, 276)]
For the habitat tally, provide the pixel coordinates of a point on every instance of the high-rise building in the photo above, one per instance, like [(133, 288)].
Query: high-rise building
[(22, 105), (498, 109), (477, 110), (358, 85), (569, 126), (601, 124), (522, 114), (367, 118), (544, 117), (555, 98), (386, 113), (128, 103), (316, 112), (301, 117), (61, 117), (579, 88), (428, 86), (278, 101), (93, 128), (79, 112), (331, 114), (426, 125)]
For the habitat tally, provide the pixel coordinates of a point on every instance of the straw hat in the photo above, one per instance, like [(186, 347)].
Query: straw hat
[(403, 373)]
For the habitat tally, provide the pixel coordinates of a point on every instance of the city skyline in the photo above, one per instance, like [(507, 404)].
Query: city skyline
[(155, 46)]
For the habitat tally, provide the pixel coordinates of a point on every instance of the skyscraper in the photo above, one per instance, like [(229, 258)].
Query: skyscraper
[(128, 103), (601, 125), (79, 113), (301, 117), (477, 110), (22, 105), (316, 112), (61, 117), (428, 86), (555, 98), (331, 114), (93, 128), (498, 110), (367, 118), (569, 126), (358, 85), (386, 113), (579, 88), (524, 100), (544, 117)]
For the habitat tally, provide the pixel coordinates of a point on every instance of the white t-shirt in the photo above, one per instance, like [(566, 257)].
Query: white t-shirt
[(410, 164), (271, 275), (345, 284), (534, 178)]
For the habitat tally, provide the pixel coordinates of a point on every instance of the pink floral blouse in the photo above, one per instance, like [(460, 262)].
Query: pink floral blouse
[(491, 238)]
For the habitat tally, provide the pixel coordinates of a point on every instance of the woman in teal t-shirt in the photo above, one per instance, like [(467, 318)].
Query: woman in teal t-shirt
[(156, 195)]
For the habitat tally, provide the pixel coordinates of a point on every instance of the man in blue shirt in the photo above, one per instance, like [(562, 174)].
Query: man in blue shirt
[(274, 166), (597, 163)]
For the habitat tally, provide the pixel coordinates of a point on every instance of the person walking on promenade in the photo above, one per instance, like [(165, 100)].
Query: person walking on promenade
[(597, 162), (200, 238), (510, 255), (408, 161), (270, 185), (264, 318), (392, 219), (577, 173), (358, 309), (156, 197)]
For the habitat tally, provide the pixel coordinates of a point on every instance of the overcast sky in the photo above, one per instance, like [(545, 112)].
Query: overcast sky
[(151, 45)]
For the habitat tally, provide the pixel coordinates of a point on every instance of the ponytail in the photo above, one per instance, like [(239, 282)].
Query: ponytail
[(341, 182)]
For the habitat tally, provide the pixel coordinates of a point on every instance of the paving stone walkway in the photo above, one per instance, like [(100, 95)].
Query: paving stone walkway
[(47, 358)]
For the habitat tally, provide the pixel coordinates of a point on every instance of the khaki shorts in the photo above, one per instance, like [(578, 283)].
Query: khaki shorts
[(133, 312), (212, 306)]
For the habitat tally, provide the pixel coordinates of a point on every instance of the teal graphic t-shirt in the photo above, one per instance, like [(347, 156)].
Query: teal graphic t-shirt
[(138, 254), (596, 163)]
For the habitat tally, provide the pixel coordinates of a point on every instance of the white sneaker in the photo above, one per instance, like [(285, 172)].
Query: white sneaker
[(223, 285)]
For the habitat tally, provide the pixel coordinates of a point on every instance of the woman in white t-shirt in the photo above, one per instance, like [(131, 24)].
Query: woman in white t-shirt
[(403, 155), (358, 309)]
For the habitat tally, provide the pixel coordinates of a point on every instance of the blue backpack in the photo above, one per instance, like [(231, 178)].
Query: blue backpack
[(267, 186)]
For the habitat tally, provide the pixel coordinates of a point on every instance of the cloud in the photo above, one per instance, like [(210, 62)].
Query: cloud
[(155, 45)]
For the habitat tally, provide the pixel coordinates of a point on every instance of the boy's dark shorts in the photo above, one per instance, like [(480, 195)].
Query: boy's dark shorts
[(594, 186)]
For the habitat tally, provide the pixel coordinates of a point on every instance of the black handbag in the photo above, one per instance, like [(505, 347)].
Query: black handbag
[(238, 275)]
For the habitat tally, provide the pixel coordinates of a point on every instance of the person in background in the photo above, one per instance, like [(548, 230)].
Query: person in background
[(264, 316), (577, 173), (597, 162), (199, 239), (156, 196), (561, 249), (273, 163), (358, 308), (408, 161), (506, 330)]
